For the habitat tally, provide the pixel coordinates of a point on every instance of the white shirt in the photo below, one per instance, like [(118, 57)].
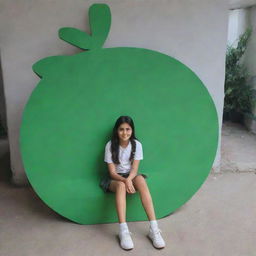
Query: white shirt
[(124, 155)]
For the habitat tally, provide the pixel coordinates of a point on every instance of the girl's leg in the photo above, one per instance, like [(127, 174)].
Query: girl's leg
[(141, 185), (154, 233), (124, 235), (119, 188)]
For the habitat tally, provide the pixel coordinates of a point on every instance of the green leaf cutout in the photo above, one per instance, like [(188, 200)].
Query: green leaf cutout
[(100, 21), (76, 37)]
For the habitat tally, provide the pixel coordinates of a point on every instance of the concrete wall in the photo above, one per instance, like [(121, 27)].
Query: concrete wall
[(194, 32)]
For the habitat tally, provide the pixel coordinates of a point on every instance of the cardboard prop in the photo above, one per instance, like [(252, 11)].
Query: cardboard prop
[(70, 115)]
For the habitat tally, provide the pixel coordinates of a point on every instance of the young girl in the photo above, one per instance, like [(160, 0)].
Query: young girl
[(123, 154)]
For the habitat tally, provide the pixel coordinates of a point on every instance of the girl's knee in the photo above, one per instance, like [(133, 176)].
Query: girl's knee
[(139, 179), (120, 185), (140, 182)]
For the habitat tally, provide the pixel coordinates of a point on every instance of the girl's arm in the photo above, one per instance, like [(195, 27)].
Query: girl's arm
[(134, 170), (113, 174)]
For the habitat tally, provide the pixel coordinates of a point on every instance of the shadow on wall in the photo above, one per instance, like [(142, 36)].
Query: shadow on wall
[(3, 124), (5, 170)]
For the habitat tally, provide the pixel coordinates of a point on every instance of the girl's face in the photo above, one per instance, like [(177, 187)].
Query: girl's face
[(124, 132)]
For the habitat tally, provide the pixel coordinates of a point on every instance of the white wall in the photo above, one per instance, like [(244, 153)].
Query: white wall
[(194, 32)]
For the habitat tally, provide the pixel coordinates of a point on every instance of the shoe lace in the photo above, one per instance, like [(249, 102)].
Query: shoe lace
[(157, 234), (126, 234)]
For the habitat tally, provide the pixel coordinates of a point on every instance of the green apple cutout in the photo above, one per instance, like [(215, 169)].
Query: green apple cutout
[(70, 114)]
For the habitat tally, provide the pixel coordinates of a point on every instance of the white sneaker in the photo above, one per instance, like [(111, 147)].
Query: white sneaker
[(126, 240), (156, 238)]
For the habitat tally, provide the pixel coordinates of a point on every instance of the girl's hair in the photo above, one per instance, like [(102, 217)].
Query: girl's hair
[(115, 138)]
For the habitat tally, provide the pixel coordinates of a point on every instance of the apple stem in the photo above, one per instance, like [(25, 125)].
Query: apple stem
[(100, 21)]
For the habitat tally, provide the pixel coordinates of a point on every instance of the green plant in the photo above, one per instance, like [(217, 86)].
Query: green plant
[(239, 95)]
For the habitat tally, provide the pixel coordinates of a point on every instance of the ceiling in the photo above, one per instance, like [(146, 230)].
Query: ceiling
[(237, 4)]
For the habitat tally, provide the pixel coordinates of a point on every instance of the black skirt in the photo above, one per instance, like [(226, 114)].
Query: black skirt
[(105, 182)]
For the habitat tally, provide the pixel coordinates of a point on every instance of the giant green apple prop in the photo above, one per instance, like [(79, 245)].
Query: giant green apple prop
[(69, 116)]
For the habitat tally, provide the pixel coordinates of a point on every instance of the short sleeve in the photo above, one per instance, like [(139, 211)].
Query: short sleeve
[(139, 153), (108, 154)]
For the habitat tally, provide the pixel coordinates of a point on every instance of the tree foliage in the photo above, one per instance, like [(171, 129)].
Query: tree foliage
[(239, 94)]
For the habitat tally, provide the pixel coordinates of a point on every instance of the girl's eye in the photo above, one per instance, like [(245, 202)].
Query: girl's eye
[(122, 129)]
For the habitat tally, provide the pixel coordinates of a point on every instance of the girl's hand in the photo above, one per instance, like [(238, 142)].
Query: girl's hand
[(129, 186)]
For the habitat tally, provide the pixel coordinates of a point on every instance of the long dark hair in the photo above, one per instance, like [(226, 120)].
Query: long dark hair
[(115, 139)]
